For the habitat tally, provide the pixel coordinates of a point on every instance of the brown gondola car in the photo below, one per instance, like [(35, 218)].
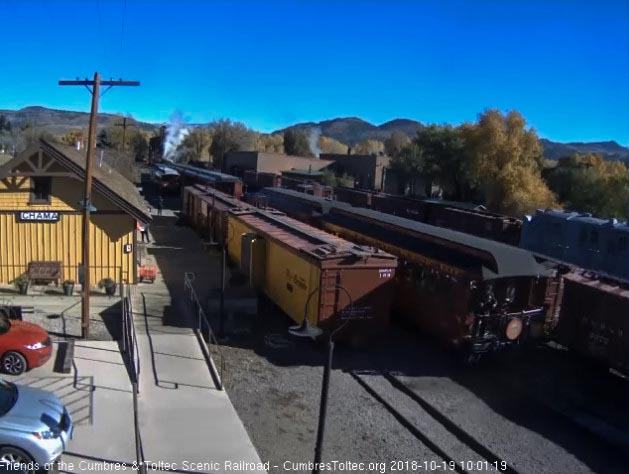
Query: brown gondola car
[(472, 292), (457, 216), (474, 221), (594, 319)]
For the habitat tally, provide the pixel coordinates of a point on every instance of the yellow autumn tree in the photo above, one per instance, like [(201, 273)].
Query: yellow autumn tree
[(368, 147), (330, 145), (270, 143), (505, 161), (74, 136)]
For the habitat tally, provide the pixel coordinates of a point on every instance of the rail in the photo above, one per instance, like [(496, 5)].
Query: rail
[(130, 348), (202, 323)]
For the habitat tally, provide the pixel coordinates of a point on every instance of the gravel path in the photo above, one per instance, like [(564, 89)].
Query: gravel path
[(279, 406), (276, 392)]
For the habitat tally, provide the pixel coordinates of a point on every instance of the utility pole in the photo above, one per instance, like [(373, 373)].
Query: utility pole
[(124, 130), (87, 200)]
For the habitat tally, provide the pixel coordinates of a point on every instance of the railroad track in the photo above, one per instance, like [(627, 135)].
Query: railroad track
[(459, 451)]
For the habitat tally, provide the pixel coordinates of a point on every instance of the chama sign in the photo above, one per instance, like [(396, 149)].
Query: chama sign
[(38, 216)]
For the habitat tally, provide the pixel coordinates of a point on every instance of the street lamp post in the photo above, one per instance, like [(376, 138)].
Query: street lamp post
[(306, 330)]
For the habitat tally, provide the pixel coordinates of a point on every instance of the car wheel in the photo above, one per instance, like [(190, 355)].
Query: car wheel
[(13, 363), (11, 456)]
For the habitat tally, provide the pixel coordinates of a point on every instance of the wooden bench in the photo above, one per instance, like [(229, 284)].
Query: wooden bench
[(45, 271)]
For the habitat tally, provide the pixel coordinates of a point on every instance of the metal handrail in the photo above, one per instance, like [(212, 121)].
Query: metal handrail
[(189, 277), (129, 336), (130, 347)]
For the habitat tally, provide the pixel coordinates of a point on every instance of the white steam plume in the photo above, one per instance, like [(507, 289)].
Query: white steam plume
[(176, 131), (315, 133)]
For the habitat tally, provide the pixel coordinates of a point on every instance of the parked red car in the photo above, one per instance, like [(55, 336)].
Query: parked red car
[(23, 346)]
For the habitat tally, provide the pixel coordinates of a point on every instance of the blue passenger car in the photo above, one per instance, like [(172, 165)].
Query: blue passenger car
[(594, 244)]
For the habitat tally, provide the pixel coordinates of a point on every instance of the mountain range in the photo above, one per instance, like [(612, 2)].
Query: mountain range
[(60, 122), (349, 130)]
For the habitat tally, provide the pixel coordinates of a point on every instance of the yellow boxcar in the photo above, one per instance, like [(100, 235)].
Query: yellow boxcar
[(336, 279)]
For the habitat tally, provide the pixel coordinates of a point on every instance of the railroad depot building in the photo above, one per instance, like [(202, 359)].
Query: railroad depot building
[(41, 215)]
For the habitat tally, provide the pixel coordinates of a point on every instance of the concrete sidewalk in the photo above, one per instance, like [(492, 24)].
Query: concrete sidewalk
[(186, 423), (98, 396)]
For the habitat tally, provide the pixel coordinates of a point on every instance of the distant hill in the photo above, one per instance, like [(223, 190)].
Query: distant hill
[(610, 150), (354, 130), (60, 122), (350, 130)]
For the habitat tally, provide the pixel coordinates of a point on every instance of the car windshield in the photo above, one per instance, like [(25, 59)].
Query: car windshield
[(8, 396)]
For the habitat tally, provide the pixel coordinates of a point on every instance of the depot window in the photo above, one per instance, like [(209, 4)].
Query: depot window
[(40, 191)]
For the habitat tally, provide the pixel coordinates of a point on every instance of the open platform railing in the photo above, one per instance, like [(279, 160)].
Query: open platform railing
[(205, 331), (130, 348)]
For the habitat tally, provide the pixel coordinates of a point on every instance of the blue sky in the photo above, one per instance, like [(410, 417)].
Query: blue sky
[(563, 64)]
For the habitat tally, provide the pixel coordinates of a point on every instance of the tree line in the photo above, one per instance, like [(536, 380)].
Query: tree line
[(496, 160)]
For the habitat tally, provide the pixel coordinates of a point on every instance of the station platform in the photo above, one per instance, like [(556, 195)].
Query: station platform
[(185, 420)]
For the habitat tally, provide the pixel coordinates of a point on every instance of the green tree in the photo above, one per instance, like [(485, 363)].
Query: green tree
[(195, 145), (588, 183), (103, 140), (444, 159), (331, 179), (229, 136), (505, 160), (409, 166), (296, 143), (395, 143), (139, 146), (117, 131)]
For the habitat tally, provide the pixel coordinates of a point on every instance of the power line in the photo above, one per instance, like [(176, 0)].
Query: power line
[(87, 201)]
